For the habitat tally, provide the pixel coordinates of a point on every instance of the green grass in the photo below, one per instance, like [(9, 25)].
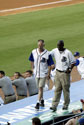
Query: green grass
[(19, 34)]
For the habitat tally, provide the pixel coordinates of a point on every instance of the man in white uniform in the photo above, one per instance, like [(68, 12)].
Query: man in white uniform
[(64, 64), (79, 64), (41, 62)]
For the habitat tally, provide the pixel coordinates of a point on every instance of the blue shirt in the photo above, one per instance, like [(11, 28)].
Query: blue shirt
[(77, 62)]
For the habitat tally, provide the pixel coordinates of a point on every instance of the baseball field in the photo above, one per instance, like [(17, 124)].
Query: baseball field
[(19, 32), (22, 23)]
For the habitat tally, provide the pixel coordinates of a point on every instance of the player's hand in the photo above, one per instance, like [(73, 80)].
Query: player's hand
[(68, 70), (48, 77)]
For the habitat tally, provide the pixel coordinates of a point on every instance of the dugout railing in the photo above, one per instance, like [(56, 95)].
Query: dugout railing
[(61, 120)]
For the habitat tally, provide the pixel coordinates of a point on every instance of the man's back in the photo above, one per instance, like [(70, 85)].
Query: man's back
[(21, 86), (31, 84), (6, 85)]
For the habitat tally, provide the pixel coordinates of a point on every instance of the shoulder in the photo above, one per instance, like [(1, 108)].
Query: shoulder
[(34, 50), (81, 58), (21, 79), (46, 51), (5, 78), (29, 78), (67, 51), (55, 50), (16, 80)]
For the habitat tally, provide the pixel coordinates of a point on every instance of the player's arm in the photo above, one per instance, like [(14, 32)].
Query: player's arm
[(1, 83), (50, 65), (15, 82), (31, 59), (72, 63), (49, 70), (77, 62), (52, 53), (32, 66)]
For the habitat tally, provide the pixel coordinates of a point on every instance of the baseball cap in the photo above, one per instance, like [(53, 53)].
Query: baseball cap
[(76, 54), (81, 121)]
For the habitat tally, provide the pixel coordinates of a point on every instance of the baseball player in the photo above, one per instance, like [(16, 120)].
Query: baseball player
[(41, 62), (6, 85), (31, 83), (20, 84), (79, 64)]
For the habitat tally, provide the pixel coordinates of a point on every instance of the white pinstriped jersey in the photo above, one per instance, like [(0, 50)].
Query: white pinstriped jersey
[(41, 62)]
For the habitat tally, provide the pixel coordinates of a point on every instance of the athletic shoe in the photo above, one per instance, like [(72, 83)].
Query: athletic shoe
[(53, 108), (65, 108), (37, 106), (42, 103)]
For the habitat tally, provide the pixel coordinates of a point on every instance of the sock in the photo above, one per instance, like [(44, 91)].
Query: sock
[(38, 101), (41, 98)]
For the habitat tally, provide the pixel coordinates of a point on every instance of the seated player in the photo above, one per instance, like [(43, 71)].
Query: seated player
[(6, 86), (31, 83), (20, 85)]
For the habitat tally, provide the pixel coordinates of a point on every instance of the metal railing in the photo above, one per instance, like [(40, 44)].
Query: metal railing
[(64, 120)]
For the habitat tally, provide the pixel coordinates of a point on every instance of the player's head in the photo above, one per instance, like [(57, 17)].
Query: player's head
[(60, 45), (41, 44), (76, 54), (2, 73), (17, 75), (36, 121), (28, 73)]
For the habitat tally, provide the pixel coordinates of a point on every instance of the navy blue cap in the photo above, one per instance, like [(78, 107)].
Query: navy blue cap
[(81, 121), (76, 54)]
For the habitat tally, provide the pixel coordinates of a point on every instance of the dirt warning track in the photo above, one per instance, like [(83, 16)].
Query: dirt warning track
[(12, 7)]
